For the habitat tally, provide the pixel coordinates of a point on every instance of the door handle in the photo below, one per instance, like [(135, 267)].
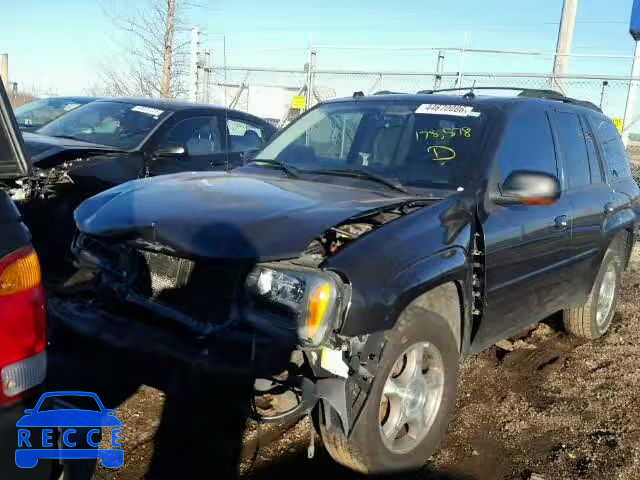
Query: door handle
[(561, 222), (608, 208)]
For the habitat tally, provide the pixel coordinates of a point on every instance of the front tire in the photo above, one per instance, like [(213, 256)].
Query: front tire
[(407, 411), (593, 319)]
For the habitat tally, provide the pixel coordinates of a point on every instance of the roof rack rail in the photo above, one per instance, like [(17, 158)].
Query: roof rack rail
[(387, 92), (527, 93)]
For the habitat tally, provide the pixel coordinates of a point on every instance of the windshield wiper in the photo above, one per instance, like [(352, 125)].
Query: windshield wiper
[(358, 173), (293, 172), (68, 137)]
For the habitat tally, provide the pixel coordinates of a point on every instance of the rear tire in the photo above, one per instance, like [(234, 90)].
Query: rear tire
[(369, 449), (593, 319)]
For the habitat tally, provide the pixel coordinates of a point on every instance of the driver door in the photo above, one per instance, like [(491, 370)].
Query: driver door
[(202, 142), (526, 247)]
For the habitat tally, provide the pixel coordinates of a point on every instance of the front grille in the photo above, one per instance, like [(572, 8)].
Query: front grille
[(167, 272), (203, 290)]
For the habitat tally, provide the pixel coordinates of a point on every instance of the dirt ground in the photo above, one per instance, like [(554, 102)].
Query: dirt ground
[(553, 407)]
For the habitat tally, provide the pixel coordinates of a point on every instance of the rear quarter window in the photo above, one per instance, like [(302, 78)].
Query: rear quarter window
[(616, 163), (575, 161)]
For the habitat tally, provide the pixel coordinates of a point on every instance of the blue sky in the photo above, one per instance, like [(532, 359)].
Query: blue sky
[(57, 45)]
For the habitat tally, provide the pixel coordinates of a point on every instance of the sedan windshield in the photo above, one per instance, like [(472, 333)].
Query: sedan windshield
[(417, 144), (115, 124), (39, 113)]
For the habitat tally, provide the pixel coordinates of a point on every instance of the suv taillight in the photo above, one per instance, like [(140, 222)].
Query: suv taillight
[(22, 325)]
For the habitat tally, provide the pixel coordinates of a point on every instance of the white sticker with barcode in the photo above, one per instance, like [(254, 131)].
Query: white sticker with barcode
[(444, 109), (148, 110)]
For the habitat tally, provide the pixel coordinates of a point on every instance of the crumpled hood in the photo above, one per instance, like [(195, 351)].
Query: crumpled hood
[(47, 152), (225, 215)]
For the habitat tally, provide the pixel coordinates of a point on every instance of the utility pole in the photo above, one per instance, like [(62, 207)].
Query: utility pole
[(630, 107), (167, 61), (563, 47)]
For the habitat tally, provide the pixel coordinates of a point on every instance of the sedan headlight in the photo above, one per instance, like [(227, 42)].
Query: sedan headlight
[(311, 298)]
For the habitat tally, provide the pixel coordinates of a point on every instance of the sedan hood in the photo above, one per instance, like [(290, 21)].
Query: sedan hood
[(226, 215), (47, 152)]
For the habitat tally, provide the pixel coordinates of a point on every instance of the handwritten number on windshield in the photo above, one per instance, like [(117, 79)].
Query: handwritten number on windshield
[(444, 133)]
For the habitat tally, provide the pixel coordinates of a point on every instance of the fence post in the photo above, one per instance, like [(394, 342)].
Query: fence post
[(193, 64), (439, 68), (310, 78), (603, 93), (207, 77)]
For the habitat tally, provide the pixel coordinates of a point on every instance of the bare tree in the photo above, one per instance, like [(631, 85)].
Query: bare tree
[(152, 37)]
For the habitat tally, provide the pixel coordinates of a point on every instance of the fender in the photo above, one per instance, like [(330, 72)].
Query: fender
[(440, 283), (391, 266), (623, 219), (448, 272), (617, 227)]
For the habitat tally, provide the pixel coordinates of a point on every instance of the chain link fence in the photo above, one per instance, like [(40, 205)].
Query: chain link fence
[(269, 92)]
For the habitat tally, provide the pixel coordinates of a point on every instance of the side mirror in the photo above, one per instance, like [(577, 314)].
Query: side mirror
[(171, 151), (28, 411), (523, 187), (247, 155)]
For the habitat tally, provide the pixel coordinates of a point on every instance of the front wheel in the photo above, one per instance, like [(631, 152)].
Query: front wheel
[(407, 411)]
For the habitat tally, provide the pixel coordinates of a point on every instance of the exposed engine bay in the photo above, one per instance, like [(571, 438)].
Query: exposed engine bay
[(336, 238)]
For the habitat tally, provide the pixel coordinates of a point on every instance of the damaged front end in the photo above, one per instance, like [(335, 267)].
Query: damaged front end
[(43, 185), (227, 318), (275, 320)]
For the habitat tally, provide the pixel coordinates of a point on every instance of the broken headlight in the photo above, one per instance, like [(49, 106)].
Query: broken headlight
[(308, 297)]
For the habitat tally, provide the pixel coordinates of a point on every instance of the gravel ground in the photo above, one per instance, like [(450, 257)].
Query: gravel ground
[(554, 406)]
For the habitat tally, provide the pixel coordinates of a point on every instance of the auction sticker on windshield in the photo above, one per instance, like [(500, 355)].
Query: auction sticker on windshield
[(148, 110), (443, 109)]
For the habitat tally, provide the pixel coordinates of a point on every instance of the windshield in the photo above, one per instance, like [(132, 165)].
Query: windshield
[(421, 145), (116, 124), (39, 113)]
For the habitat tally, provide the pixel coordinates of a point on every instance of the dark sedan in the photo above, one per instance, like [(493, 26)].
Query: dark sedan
[(111, 141)]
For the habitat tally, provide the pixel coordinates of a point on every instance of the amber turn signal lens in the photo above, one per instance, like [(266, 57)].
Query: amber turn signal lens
[(19, 272), (318, 304)]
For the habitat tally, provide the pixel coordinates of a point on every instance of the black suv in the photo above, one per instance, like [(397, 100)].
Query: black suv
[(375, 242), (22, 305)]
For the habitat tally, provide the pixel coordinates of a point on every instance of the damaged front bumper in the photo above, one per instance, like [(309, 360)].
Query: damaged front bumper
[(231, 353)]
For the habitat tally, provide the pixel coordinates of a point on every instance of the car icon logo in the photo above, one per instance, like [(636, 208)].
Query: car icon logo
[(73, 426)]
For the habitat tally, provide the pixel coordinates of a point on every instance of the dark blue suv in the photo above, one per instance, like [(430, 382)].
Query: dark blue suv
[(381, 238)]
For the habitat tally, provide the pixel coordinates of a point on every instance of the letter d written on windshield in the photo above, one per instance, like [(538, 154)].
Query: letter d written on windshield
[(441, 153)]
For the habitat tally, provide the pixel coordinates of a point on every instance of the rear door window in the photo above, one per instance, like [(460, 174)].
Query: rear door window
[(595, 158), (615, 155), (244, 136), (575, 159), (527, 145)]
